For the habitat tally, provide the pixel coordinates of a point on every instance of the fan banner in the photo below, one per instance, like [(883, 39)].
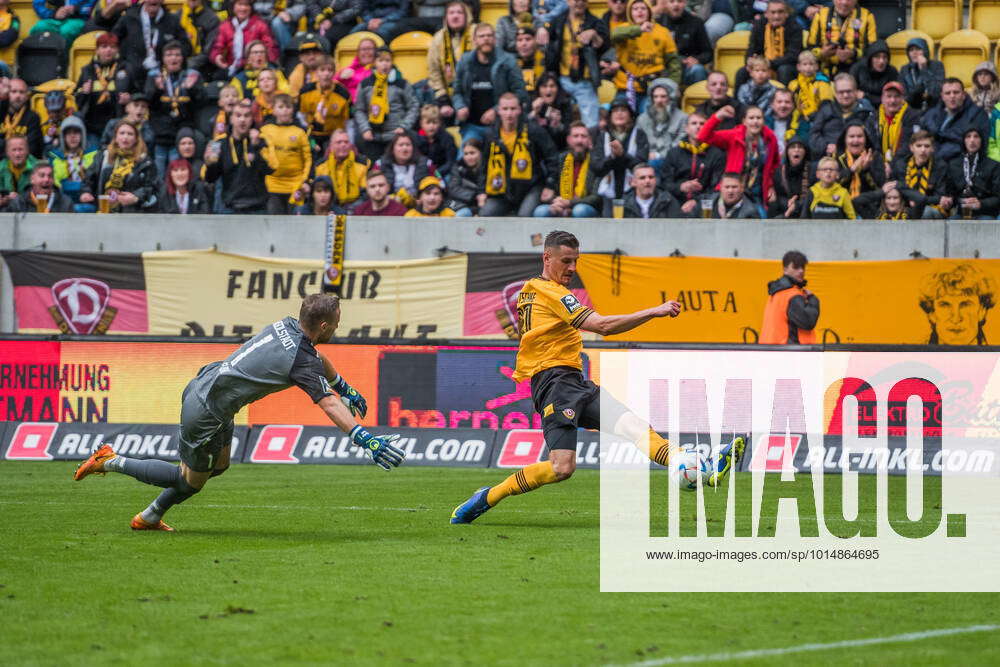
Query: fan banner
[(937, 301), (210, 293)]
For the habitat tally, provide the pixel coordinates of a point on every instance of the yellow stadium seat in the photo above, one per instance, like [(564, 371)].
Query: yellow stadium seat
[(936, 17), (606, 92), (694, 95), (348, 46), (173, 6), (82, 52), (490, 11), (897, 45), (961, 51), (984, 16), (455, 135), (25, 11), (409, 54), (731, 53)]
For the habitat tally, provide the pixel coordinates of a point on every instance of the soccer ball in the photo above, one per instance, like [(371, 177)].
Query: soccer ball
[(688, 466)]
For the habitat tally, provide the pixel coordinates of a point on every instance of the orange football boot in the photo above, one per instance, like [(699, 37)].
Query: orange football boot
[(95, 464), (138, 523)]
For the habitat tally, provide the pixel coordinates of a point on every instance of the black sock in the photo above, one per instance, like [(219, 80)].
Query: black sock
[(151, 471)]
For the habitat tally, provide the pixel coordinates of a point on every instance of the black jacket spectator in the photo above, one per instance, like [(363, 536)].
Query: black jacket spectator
[(165, 28), (242, 169), (24, 122), (923, 84), (870, 82), (589, 56), (664, 206), (108, 133), (543, 113), (681, 165), (464, 186), (948, 133), (441, 151), (504, 73), (141, 181), (789, 181), (199, 201), (830, 122), (691, 38), (744, 209), (106, 84), (544, 160), (975, 175), (784, 66), (169, 113), (911, 118), (870, 179), (937, 186), (606, 165)]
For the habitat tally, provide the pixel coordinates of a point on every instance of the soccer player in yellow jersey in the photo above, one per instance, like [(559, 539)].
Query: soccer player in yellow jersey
[(549, 355)]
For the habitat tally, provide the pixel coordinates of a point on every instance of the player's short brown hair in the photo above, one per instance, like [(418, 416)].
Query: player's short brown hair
[(318, 308), (558, 238)]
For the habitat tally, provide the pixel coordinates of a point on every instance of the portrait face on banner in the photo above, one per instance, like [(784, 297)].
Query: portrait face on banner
[(957, 303)]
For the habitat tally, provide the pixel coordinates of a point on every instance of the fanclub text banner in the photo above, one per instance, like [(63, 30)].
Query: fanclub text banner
[(213, 293)]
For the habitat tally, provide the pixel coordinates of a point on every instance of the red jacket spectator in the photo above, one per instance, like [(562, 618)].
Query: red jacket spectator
[(733, 142), (255, 29)]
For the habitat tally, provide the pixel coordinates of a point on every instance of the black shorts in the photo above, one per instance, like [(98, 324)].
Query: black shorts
[(203, 436), (566, 402)]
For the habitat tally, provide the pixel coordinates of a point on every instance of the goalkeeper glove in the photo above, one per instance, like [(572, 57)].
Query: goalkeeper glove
[(378, 447), (354, 401)]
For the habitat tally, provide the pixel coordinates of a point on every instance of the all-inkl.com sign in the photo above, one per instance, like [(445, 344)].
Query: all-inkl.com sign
[(55, 441), (277, 443)]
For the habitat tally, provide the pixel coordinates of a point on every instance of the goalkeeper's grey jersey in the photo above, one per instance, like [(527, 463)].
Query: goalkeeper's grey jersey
[(278, 357)]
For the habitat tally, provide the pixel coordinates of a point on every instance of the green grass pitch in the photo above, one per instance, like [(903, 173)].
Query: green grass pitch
[(347, 565)]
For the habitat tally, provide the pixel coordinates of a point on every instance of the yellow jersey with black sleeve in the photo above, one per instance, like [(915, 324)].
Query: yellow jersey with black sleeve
[(549, 319), (289, 154)]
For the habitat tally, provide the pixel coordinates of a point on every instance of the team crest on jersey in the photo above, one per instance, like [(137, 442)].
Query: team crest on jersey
[(572, 303), (569, 413)]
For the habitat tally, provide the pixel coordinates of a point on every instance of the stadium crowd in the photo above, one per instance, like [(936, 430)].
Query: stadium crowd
[(242, 108)]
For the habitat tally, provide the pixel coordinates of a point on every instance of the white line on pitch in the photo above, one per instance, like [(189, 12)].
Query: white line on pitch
[(802, 648)]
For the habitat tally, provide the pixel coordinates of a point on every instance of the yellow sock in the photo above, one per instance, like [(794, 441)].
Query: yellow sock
[(659, 450), (524, 480)]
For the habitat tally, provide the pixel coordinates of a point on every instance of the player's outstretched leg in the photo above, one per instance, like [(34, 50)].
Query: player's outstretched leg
[(649, 442), (729, 457), (559, 467), (149, 471)]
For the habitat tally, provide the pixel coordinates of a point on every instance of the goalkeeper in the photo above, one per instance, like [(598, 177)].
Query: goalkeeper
[(281, 355)]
